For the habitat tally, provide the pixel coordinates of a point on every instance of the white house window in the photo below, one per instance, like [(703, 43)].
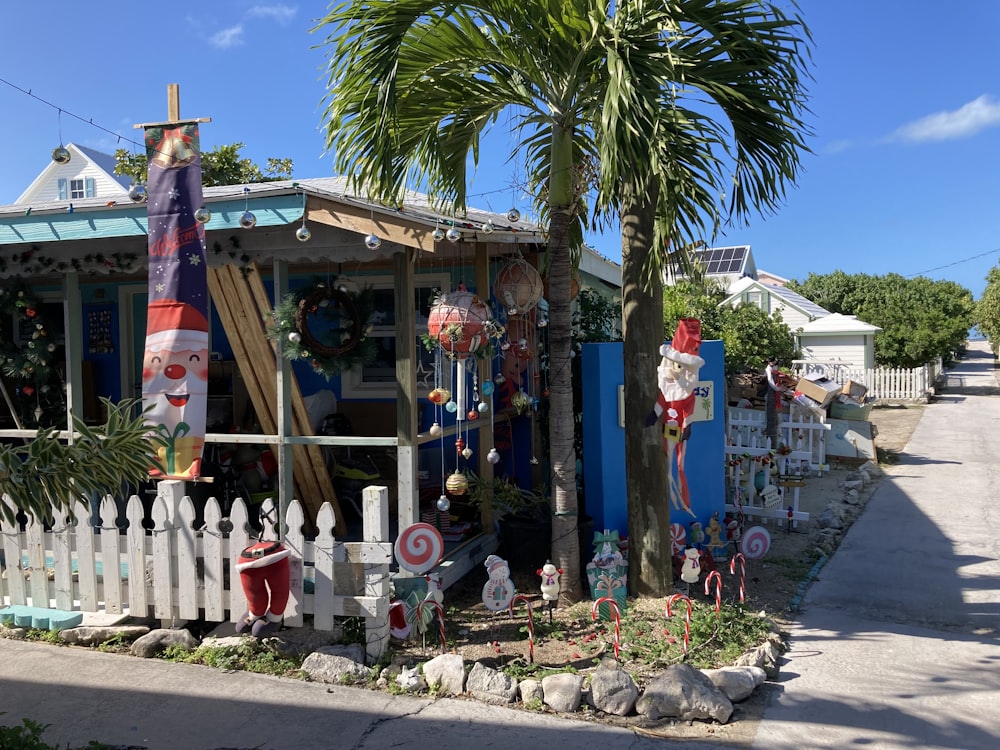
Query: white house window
[(84, 187), (756, 299), (378, 380)]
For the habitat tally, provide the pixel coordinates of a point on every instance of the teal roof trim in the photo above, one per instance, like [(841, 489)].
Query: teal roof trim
[(130, 221)]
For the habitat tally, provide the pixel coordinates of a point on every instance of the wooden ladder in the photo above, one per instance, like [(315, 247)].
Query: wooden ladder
[(244, 308)]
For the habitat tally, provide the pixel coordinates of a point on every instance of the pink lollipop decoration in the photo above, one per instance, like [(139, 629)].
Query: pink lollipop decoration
[(531, 624), (717, 576), (687, 618), (743, 572), (678, 538), (419, 547), (755, 542), (618, 619), (440, 614)]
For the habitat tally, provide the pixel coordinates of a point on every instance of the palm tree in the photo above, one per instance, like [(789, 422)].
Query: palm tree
[(593, 89)]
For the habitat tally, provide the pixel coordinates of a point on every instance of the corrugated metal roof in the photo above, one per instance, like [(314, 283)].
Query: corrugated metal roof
[(807, 306)]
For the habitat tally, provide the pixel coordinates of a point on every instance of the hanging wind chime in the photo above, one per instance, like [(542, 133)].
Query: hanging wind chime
[(461, 323)]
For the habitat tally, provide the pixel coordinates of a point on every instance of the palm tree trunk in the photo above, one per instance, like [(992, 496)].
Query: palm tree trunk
[(650, 564), (565, 539)]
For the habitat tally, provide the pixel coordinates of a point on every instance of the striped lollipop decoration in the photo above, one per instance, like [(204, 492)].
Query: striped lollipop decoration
[(678, 538), (419, 547)]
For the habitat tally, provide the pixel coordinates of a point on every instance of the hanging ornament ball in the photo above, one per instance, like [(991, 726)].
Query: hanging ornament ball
[(439, 396), (472, 414), (137, 193), (543, 322), (488, 227), (295, 337), (518, 286), (457, 484), (302, 234), (460, 321), (499, 380), (488, 388), (493, 457), (202, 215), (467, 453), (438, 234), (443, 504), (459, 443), (451, 407), (453, 235), (483, 407), (435, 430), (513, 215), (248, 220), (61, 155), (372, 242)]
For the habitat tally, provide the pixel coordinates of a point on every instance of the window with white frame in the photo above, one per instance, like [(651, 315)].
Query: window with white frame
[(378, 380)]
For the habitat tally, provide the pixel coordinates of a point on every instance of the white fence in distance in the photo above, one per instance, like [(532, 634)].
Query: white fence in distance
[(175, 572), (883, 383)]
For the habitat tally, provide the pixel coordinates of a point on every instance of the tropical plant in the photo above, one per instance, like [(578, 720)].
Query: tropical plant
[(593, 91), (46, 473)]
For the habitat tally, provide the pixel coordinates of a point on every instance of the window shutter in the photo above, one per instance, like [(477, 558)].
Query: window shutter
[(90, 190), (63, 189)]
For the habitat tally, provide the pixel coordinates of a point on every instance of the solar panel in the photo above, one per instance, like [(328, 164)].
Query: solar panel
[(723, 260)]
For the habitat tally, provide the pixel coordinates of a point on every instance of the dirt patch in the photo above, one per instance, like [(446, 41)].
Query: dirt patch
[(568, 637)]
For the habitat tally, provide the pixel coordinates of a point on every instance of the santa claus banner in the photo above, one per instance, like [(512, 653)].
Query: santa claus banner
[(175, 363)]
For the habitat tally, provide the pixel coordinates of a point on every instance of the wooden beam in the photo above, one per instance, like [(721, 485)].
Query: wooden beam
[(362, 221)]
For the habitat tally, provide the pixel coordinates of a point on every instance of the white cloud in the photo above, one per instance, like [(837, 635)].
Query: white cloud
[(231, 37), (280, 13), (966, 121)]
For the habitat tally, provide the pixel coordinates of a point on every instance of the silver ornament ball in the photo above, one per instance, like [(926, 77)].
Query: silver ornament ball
[(202, 215), (513, 215), (295, 337), (302, 234), (453, 235), (438, 234), (372, 242), (443, 503), (137, 193), (488, 227), (493, 457), (248, 220), (61, 155)]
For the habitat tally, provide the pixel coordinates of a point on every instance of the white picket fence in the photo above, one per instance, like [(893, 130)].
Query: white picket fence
[(749, 453), (174, 572), (883, 383)]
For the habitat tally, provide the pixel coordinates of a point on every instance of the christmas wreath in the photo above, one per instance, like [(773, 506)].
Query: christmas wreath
[(28, 355), (327, 327)]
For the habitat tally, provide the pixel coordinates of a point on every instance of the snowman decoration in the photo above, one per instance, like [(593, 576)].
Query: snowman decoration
[(691, 568), (498, 591), (550, 581)]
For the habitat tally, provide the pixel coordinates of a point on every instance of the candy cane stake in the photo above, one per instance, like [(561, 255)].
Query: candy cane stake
[(687, 618), (618, 619), (531, 624), (718, 588), (440, 614), (743, 572)]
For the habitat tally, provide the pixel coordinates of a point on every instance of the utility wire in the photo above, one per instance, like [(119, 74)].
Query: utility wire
[(954, 263)]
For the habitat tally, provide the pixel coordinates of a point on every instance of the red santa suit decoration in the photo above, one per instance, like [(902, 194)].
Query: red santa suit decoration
[(677, 377), (264, 575)]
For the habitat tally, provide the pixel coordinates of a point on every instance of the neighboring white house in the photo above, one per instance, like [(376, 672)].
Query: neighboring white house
[(796, 311), (838, 338), (88, 174)]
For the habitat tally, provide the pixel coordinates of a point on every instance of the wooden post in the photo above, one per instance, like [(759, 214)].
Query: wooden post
[(173, 110)]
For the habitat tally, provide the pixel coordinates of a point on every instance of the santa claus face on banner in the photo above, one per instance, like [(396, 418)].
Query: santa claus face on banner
[(176, 372)]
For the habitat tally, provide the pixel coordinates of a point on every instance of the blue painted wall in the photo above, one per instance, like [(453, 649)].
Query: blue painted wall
[(604, 441)]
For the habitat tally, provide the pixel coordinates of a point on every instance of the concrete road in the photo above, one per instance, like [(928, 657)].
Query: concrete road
[(898, 645)]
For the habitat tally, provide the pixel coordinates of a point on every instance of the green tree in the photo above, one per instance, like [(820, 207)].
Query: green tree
[(593, 91), (987, 312), (921, 319), (223, 165)]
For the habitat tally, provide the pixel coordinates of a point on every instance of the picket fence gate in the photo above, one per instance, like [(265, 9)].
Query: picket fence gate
[(749, 453), (883, 383), (175, 572)]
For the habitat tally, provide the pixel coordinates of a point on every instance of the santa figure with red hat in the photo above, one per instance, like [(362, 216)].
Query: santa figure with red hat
[(175, 384), (677, 377)]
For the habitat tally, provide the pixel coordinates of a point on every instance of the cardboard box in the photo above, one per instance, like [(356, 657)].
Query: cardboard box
[(855, 390), (819, 389)]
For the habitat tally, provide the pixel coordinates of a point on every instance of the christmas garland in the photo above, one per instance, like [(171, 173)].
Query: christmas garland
[(343, 345)]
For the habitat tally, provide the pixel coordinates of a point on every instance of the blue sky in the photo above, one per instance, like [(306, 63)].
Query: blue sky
[(905, 107)]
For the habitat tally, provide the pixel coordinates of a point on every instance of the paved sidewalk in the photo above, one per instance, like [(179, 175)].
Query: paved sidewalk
[(898, 645)]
